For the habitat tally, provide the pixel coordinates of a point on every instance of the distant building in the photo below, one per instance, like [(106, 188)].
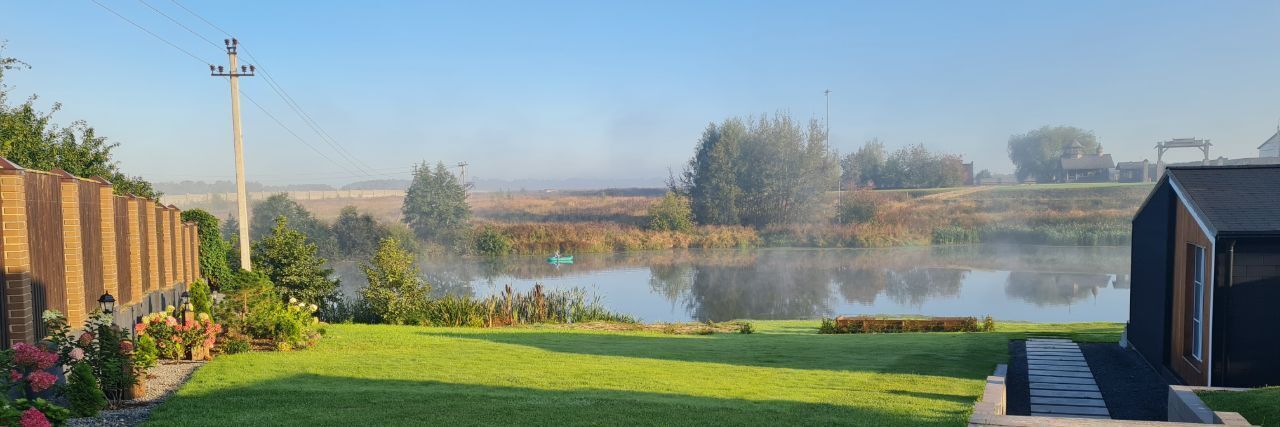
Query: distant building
[(1076, 166), (1271, 148), (1205, 276), (1135, 171)]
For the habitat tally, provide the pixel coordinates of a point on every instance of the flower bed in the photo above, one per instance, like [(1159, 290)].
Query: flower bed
[(871, 324)]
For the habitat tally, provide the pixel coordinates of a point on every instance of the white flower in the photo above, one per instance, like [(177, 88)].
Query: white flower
[(293, 300), (313, 307)]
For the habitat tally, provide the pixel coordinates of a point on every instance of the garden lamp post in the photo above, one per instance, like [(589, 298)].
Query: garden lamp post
[(185, 299), (107, 302)]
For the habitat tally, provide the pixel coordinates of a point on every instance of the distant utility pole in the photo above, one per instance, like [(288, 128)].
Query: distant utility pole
[(462, 176), (241, 197)]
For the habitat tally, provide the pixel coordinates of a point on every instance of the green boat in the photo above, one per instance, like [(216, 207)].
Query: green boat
[(560, 260)]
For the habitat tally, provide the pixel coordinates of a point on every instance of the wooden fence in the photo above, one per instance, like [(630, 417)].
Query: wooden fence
[(69, 240)]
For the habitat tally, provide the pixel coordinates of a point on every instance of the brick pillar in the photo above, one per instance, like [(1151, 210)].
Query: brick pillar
[(163, 219), (135, 252), (18, 317), (148, 207), (106, 204), (179, 245), (72, 252)]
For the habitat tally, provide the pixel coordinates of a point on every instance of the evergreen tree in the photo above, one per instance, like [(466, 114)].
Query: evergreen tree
[(396, 291), (435, 206), (358, 235), (213, 249), (290, 261), (280, 205)]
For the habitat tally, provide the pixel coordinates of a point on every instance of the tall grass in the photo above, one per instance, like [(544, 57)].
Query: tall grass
[(537, 306), (545, 238)]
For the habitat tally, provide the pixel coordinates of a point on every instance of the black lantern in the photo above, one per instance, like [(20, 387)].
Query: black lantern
[(185, 298), (107, 302)]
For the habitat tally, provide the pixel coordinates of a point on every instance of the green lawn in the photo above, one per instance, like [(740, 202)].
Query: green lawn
[(785, 374), (1259, 406)]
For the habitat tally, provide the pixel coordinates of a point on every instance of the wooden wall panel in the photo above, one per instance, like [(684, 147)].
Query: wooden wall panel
[(124, 264), (91, 238), (44, 227), (1188, 232)]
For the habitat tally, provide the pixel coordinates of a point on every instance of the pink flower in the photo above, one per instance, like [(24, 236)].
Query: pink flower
[(32, 417), (77, 353), (171, 321), (30, 356), (14, 376), (41, 380), (86, 339), (126, 346)]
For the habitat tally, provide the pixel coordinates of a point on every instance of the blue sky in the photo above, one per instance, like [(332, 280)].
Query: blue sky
[(613, 89)]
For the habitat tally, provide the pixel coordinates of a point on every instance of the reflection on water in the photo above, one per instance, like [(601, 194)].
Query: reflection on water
[(1009, 282)]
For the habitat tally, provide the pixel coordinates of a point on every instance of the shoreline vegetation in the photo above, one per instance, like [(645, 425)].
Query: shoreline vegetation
[(539, 223)]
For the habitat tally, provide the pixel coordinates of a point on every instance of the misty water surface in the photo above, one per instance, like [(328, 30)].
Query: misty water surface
[(1009, 282)]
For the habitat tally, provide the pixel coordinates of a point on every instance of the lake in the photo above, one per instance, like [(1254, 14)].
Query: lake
[(1008, 282)]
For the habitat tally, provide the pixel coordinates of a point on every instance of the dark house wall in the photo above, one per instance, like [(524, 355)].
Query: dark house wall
[(1149, 298), (1250, 340)]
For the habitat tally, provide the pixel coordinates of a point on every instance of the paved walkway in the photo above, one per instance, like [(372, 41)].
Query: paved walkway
[(1060, 380)]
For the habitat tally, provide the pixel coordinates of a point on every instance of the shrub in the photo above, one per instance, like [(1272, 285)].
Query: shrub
[(101, 346), (290, 261), (201, 297), (396, 293), (234, 344), (988, 324), (213, 249), (145, 354), (82, 392), (858, 206), (257, 311), (746, 328), (953, 235), (857, 325), (491, 240), (672, 213), (178, 339)]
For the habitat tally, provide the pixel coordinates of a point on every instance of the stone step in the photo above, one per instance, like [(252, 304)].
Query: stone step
[(1043, 362), (1045, 339), (1054, 354), (1068, 410), (1061, 374), (1064, 387), (1060, 380), (1063, 368), (1068, 401), (1051, 344), (1055, 357), (1035, 392)]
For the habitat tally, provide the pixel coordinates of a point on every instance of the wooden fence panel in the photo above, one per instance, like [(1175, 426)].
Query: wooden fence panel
[(124, 269), (91, 236), (45, 237)]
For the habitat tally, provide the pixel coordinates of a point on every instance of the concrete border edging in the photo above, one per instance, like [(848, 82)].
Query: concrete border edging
[(1186, 406)]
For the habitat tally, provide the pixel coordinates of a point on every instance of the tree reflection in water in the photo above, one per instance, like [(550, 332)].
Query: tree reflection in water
[(1044, 289)]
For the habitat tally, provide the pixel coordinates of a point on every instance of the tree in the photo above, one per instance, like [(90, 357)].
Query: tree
[(772, 171), (672, 213), (983, 174), (863, 167), (280, 205), (290, 261), (357, 234), (30, 138), (435, 206), (1036, 154), (396, 291), (213, 249), (915, 166)]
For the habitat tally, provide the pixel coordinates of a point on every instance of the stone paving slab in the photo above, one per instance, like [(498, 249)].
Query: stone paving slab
[(1062, 368), (1033, 339), (1068, 410), (1058, 363), (1070, 387), (1063, 374), (1061, 380), (1055, 357), (1065, 393), (1068, 401)]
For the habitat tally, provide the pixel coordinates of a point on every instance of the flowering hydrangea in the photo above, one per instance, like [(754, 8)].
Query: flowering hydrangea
[(32, 417), (86, 339), (77, 353), (30, 356), (14, 376), (41, 380)]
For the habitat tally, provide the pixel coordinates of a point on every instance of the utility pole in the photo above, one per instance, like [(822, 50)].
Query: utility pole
[(242, 210), (462, 176)]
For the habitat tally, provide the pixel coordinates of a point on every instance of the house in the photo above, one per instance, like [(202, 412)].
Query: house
[(1205, 279), (1271, 148), (1079, 167), (1135, 171)]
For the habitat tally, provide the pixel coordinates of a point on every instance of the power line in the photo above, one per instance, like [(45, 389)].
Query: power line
[(284, 95), (202, 61), (135, 24), (175, 21)]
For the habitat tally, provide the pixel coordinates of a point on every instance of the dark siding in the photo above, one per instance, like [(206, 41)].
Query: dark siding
[(1248, 339), (1149, 297)]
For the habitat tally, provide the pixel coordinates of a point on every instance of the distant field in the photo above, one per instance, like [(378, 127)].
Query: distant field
[(1055, 214)]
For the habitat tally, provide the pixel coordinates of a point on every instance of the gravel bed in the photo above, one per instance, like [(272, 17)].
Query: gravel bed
[(163, 380), (1132, 390)]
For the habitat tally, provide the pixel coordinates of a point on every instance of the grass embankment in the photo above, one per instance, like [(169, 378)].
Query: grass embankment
[(785, 374), (1259, 406)]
